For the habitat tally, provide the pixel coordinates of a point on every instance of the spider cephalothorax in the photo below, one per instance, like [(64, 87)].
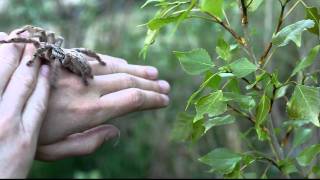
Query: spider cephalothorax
[(49, 48)]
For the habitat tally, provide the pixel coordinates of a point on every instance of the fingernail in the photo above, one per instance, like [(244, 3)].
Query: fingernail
[(164, 86), (165, 100), (44, 70), (152, 72)]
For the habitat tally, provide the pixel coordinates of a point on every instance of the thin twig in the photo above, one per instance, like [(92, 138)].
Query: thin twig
[(238, 38), (245, 22), (243, 114), (280, 22)]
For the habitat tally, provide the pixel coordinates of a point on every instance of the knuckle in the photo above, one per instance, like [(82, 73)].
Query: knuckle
[(112, 67), (25, 142), (136, 97), (39, 107), (7, 127), (130, 81)]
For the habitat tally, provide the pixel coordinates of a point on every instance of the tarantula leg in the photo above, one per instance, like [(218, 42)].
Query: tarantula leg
[(91, 54), (35, 32), (58, 41), (37, 54), (54, 74), (30, 62), (21, 40)]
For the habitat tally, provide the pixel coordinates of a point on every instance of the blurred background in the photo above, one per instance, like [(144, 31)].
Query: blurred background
[(145, 148)]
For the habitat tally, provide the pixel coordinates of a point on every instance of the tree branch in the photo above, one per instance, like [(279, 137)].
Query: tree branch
[(280, 22), (238, 38)]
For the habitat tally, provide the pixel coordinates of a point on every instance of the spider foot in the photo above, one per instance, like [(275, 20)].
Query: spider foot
[(30, 63)]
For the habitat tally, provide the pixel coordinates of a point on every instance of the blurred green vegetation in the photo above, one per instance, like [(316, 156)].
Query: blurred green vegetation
[(145, 148)]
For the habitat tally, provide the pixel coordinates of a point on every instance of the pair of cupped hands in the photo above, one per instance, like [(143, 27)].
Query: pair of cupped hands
[(44, 123)]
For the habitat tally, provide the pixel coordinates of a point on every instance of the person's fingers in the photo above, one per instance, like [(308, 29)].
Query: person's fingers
[(119, 81), (147, 72), (10, 55), (21, 83), (77, 144), (3, 36), (130, 100), (37, 103)]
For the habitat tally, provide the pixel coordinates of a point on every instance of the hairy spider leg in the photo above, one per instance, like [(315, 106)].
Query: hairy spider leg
[(58, 41), (51, 37), (65, 63), (38, 53), (91, 54), (36, 32), (21, 40)]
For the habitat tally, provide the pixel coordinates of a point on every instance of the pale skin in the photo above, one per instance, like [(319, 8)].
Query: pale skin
[(70, 120)]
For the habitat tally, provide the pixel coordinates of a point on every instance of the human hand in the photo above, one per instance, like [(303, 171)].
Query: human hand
[(117, 89), (24, 94)]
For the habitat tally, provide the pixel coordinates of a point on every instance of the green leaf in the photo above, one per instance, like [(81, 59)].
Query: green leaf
[(212, 105), (233, 86), (307, 155), (197, 130), (304, 104), (242, 67), (184, 15), (253, 4), (295, 123), (301, 135), (281, 92), (218, 121), (149, 40), (151, 1), (211, 80), (245, 102), (223, 49), (183, 126), (158, 23), (262, 133), (313, 14), (213, 7), (259, 78), (288, 166), (195, 62), (221, 160), (263, 110), (292, 33), (307, 61)]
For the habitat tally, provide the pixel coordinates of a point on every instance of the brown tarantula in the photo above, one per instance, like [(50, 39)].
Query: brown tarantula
[(49, 48)]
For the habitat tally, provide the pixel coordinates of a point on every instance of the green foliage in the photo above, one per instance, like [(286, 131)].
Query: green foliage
[(307, 155), (213, 7), (242, 67), (195, 62), (292, 33), (304, 104), (221, 160), (240, 86)]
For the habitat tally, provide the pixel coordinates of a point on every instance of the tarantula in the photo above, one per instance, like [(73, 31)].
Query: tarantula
[(49, 48)]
